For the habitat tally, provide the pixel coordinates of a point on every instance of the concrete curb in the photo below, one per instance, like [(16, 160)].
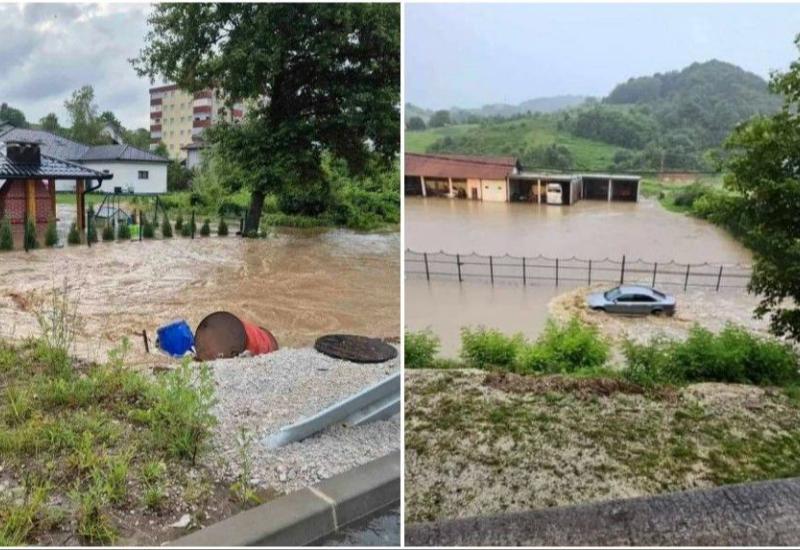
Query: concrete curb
[(751, 514), (309, 514)]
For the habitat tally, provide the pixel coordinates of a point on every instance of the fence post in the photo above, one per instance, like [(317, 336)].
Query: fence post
[(140, 225), (193, 223), (590, 272), (427, 272), (491, 269), (686, 280), (556, 271), (458, 264), (524, 275), (719, 277), (655, 269), (622, 271)]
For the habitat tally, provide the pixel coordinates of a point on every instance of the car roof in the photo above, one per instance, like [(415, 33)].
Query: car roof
[(634, 289)]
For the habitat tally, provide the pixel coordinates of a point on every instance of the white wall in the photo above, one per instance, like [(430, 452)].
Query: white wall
[(126, 175)]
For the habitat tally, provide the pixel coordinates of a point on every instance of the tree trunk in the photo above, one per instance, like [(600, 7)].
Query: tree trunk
[(254, 214)]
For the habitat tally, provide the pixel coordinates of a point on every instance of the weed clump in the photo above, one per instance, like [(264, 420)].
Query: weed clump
[(483, 348), (420, 349)]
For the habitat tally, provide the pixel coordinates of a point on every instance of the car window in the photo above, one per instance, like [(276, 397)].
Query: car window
[(644, 298), (626, 298), (612, 294)]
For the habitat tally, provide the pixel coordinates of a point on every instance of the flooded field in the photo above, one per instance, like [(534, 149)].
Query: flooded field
[(588, 230), (298, 284)]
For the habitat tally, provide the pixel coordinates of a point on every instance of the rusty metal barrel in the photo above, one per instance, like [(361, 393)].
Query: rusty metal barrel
[(222, 335)]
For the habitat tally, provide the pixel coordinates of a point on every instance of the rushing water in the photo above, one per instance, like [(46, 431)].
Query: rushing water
[(588, 230), (298, 284)]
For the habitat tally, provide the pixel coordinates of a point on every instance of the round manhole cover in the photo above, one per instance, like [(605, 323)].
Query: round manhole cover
[(358, 349)]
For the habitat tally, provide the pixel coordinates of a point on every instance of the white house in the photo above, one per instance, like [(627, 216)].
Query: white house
[(134, 170)]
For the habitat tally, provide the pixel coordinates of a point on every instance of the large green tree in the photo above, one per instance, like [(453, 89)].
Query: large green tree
[(87, 126), (317, 77), (13, 116), (765, 172)]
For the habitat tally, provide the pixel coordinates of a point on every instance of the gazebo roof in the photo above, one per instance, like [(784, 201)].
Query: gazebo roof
[(48, 168)]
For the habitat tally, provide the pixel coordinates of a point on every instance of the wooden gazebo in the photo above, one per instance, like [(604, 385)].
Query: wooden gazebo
[(28, 190)]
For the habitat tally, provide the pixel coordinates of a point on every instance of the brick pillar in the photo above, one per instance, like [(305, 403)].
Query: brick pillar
[(30, 199), (52, 184)]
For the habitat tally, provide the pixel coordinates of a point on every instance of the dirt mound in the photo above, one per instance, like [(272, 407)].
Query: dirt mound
[(583, 388)]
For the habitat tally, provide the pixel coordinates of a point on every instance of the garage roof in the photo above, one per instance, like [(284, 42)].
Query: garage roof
[(459, 166)]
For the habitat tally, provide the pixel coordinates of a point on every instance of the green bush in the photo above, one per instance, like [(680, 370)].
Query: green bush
[(179, 222), (566, 348), (124, 231), (51, 234), (222, 228), (30, 235), (108, 231), (687, 196), (205, 230), (166, 228), (148, 229), (419, 349), (6, 236), (74, 236), (734, 356), (186, 229), (484, 348)]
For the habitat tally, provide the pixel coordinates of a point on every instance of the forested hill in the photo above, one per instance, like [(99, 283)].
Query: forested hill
[(707, 98), (667, 121)]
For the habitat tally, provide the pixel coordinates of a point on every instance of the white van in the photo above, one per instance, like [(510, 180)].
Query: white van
[(553, 193)]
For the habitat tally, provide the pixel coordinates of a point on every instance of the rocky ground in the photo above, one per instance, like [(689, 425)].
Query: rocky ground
[(262, 394), (481, 443)]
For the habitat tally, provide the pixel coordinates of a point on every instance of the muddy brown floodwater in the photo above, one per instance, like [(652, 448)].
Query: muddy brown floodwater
[(588, 230), (298, 284)]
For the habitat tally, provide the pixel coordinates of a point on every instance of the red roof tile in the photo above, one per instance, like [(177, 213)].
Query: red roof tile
[(459, 166)]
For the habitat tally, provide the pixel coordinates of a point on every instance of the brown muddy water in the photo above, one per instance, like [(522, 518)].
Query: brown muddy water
[(587, 230), (299, 284)]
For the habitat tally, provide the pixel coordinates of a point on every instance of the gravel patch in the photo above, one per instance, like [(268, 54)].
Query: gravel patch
[(264, 393)]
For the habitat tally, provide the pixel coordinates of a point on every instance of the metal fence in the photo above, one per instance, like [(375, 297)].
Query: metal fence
[(528, 270)]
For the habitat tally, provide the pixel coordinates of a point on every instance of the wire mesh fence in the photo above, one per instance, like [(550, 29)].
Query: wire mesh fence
[(561, 271)]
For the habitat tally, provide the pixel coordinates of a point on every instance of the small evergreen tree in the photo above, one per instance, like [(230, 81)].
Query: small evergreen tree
[(6, 236), (51, 235), (74, 236), (108, 231), (124, 231), (179, 222), (148, 230), (205, 230), (30, 235), (166, 228), (186, 229), (91, 227), (222, 228)]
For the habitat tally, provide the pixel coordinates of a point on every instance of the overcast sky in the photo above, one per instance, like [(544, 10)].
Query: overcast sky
[(49, 50), (470, 55)]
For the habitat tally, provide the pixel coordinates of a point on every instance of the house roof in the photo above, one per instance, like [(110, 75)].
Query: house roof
[(66, 149), (459, 166), (120, 152), (48, 168)]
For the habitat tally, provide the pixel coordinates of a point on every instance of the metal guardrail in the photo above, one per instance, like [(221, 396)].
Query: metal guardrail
[(526, 270), (377, 402)]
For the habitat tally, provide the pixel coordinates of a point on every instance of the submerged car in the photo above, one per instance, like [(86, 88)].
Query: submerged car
[(640, 300)]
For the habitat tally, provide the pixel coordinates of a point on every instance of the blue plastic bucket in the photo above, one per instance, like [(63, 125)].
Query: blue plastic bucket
[(175, 338)]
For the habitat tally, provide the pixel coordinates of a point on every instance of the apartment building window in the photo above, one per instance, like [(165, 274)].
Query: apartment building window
[(144, 174)]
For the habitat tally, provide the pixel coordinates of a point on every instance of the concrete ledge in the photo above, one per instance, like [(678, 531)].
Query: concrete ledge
[(309, 514), (754, 514)]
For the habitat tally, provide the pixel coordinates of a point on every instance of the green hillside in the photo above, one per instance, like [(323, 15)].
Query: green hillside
[(677, 120), (526, 138)]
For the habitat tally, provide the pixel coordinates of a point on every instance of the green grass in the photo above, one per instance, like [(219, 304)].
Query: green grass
[(514, 137), (667, 192)]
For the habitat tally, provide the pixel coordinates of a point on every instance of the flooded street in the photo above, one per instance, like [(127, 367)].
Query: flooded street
[(298, 284), (587, 230)]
